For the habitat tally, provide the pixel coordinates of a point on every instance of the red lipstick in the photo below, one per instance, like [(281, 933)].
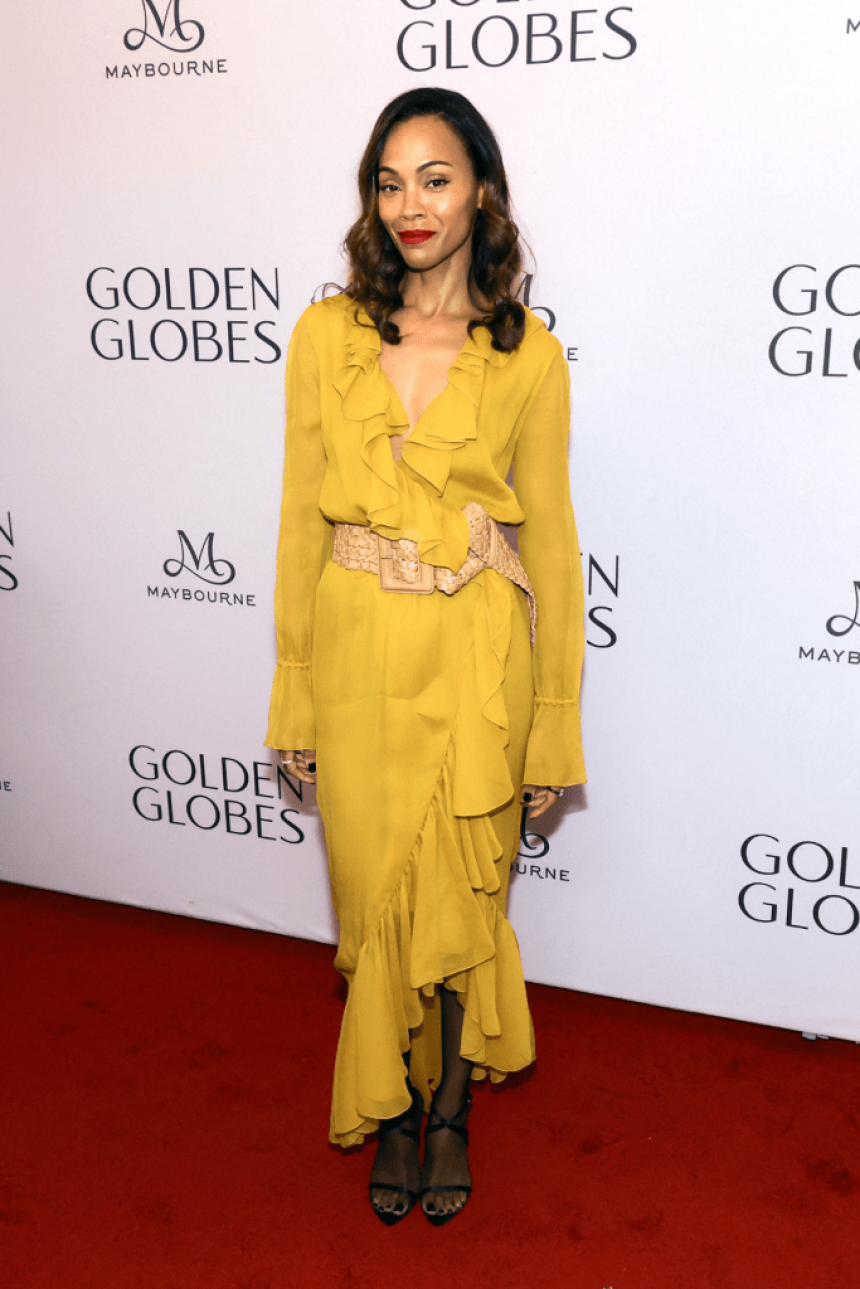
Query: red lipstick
[(415, 236)]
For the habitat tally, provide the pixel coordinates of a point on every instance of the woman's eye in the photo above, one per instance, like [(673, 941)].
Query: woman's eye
[(442, 182), (388, 187)]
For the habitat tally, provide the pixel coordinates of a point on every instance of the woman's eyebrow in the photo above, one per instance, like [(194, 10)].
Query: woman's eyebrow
[(391, 170)]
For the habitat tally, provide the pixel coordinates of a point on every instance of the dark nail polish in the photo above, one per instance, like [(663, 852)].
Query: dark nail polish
[(527, 796), (312, 765)]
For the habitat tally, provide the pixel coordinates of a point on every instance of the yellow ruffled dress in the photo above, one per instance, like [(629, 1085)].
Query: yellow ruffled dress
[(427, 712)]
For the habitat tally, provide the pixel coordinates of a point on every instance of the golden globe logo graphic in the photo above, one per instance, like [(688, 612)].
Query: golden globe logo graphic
[(481, 39), (805, 885), (232, 298), (832, 350), (162, 27), (599, 632), (207, 792)]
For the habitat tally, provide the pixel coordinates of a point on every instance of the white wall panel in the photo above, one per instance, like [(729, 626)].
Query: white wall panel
[(663, 193)]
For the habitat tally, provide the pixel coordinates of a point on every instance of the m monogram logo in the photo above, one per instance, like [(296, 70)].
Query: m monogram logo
[(222, 570), (8, 580), (189, 33), (849, 623)]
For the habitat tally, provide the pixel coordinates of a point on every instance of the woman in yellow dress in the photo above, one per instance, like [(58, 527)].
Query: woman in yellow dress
[(425, 670)]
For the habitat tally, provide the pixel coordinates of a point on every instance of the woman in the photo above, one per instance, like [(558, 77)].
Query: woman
[(409, 398)]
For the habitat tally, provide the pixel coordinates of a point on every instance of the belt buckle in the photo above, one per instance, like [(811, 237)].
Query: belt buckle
[(388, 579)]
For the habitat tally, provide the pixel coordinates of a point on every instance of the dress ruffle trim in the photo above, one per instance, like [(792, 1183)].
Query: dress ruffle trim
[(399, 506), (483, 731), (441, 925)]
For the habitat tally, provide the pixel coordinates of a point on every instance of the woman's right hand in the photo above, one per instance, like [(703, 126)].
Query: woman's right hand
[(300, 763), (538, 800)]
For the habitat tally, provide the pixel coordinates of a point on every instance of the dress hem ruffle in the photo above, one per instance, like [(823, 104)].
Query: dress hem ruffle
[(440, 926)]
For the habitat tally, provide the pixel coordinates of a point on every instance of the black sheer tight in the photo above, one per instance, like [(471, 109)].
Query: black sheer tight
[(396, 1162), (446, 1161)]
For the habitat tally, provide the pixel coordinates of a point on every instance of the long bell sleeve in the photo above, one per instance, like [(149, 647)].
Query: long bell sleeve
[(304, 547), (549, 549)]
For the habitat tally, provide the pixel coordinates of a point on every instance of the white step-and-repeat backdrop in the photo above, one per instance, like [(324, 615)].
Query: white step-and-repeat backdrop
[(177, 181)]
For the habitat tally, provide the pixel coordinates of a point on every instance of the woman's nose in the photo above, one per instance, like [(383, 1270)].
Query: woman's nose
[(413, 207)]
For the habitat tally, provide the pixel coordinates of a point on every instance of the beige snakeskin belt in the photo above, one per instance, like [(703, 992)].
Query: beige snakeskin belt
[(399, 568)]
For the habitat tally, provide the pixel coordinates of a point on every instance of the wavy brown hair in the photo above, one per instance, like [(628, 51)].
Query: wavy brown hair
[(376, 266)]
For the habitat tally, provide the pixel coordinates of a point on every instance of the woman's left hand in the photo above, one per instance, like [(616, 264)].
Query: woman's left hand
[(301, 763), (540, 799)]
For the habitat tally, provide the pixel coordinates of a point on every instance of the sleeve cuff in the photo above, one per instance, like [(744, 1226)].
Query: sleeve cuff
[(554, 754), (291, 710)]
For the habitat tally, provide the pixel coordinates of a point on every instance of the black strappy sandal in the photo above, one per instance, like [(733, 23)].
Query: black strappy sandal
[(398, 1124), (435, 1123)]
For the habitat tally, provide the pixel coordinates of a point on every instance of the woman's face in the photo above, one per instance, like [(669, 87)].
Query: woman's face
[(428, 193)]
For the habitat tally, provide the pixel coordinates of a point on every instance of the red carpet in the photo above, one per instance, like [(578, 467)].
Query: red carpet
[(165, 1100)]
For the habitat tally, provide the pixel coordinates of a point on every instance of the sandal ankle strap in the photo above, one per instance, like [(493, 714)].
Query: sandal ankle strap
[(440, 1122)]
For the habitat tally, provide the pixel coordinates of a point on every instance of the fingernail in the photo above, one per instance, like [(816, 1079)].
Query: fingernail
[(312, 765), (527, 796)]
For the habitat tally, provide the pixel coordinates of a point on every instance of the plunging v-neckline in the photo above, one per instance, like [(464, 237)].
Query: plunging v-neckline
[(412, 428)]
